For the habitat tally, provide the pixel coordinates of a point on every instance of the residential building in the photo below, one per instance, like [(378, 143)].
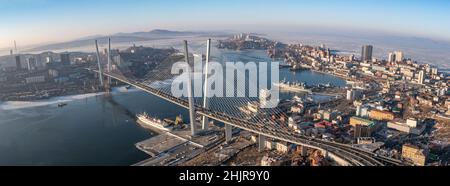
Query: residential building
[(421, 77), (366, 53), (410, 126), (65, 59), (361, 121), (18, 63), (268, 161), (282, 147), (35, 79), (415, 154), (398, 56), (381, 115)]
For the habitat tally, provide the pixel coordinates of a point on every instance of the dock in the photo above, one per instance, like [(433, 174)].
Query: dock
[(175, 147)]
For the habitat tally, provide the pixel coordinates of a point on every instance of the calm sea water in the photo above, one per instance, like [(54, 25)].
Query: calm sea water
[(98, 129)]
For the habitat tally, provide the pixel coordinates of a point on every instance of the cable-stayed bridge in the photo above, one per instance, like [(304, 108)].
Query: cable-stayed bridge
[(268, 123)]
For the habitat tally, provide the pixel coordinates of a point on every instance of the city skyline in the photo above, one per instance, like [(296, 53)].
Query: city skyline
[(56, 21)]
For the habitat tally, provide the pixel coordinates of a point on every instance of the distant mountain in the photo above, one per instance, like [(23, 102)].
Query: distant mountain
[(124, 37), (158, 33), (85, 42)]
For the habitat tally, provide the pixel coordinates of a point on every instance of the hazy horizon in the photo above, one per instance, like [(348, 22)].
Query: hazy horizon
[(34, 22), (421, 49)]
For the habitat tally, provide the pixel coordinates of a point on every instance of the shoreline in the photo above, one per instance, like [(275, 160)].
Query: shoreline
[(347, 79), (15, 105)]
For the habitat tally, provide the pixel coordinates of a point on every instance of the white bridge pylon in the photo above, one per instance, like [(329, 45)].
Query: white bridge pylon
[(190, 92), (205, 120)]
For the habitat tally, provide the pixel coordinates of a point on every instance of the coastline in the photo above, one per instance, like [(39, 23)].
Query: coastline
[(347, 79), (14, 105)]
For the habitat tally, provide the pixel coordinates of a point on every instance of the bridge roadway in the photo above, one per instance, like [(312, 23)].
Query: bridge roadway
[(353, 156)]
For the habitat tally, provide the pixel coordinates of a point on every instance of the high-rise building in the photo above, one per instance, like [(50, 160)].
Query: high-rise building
[(31, 64), (391, 57), (421, 77), (398, 56), (18, 64), (353, 94), (366, 53), (350, 95), (65, 58), (49, 59), (434, 71)]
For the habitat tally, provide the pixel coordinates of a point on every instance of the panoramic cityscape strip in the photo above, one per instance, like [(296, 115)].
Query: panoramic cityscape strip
[(372, 105), (199, 87)]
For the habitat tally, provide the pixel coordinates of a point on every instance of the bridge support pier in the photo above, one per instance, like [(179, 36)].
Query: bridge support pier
[(100, 71), (205, 120), (190, 93), (109, 62), (228, 133), (261, 143)]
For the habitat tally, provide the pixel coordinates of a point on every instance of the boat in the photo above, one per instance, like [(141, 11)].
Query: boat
[(146, 120), (292, 87), (62, 104), (298, 67), (327, 85)]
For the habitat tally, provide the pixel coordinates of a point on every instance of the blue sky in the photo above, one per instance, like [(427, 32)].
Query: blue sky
[(42, 21)]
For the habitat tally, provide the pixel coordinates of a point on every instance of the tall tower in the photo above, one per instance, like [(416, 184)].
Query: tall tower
[(109, 60), (205, 121), (18, 63), (31, 64), (366, 53), (65, 59), (17, 57), (399, 56), (421, 78), (15, 47), (99, 64), (190, 92), (391, 57)]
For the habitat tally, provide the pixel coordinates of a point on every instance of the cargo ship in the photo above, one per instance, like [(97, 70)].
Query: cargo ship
[(292, 87), (146, 120)]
